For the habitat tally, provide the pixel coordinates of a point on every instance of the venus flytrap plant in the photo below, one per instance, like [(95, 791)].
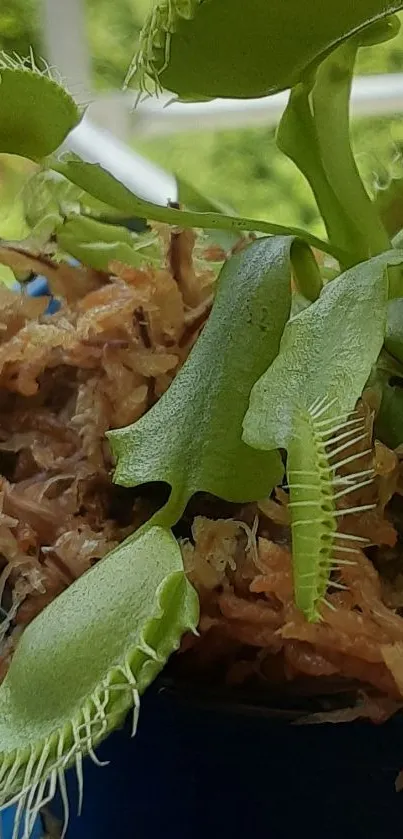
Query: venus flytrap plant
[(261, 378), (252, 306), (49, 200)]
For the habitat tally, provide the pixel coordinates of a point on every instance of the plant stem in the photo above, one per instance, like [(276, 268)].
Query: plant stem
[(330, 101), (172, 510), (297, 138), (103, 186)]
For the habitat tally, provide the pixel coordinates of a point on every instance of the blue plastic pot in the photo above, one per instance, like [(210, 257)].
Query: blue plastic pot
[(39, 287), (194, 772)]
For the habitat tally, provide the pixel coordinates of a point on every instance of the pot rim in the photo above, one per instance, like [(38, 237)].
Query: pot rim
[(280, 706)]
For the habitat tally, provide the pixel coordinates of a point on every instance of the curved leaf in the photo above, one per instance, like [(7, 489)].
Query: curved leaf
[(326, 351), (82, 663), (99, 183), (192, 438), (207, 48), (394, 328), (331, 109), (96, 244), (297, 137), (36, 113)]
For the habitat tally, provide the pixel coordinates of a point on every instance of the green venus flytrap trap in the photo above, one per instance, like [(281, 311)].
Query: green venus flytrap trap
[(315, 487), (113, 632), (271, 385)]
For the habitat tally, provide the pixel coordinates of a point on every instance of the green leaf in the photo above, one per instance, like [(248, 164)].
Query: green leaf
[(328, 350), (97, 245), (36, 113), (7, 276), (394, 328), (302, 403), (48, 193), (389, 419), (207, 48), (99, 183), (297, 137), (83, 662), (192, 438), (191, 199), (14, 172), (307, 276), (331, 108)]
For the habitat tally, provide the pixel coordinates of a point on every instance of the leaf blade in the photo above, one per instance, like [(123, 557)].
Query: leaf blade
[(309, 367), (192, 438)]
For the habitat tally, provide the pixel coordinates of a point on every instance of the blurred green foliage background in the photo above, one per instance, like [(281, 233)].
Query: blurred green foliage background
[(241, 168)]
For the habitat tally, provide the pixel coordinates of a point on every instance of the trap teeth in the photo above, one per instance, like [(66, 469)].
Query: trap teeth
[(316, 487)]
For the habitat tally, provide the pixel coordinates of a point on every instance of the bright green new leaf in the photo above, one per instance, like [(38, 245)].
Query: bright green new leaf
[(14, 172), (326, 351), (97, 245), (96, 181), (208, 48), (7, 276), (36, 113), (192, 438), (48, 193), (83, 662)]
